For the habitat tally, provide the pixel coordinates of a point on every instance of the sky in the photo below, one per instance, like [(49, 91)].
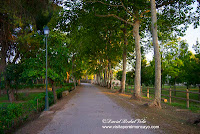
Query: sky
[(190, 37)]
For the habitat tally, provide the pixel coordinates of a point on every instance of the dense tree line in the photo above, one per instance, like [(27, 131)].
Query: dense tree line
[(22, 45), (93, 37)]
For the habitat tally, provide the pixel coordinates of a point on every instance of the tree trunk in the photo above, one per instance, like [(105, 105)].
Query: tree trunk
[(199, 92), (101, 77), (1, 85), (157, 99), (109, 77), (98, 78), (105, 77), (67, 77), (2, 66), (108, 82), (54, 92), (137, 86), (37, 81), (3, 60), (11, 95), (74, 79), (79, 82), (123, 82)]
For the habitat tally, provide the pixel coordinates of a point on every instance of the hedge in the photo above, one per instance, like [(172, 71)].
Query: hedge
[(59, 91), (68, 84), (14, 114)]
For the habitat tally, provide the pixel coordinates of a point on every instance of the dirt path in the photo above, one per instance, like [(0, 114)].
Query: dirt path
[(170, 119), (89, 108), (85, 113)]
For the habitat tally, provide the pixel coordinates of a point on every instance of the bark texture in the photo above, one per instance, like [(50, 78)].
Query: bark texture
[(137, 85), (11, 95), (157, 99), (54, 91), (110, 75), (123, 82), (2, 64), (73, 74), (79, 82)]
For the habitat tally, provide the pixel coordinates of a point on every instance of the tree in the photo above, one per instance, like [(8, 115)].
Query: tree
[(123, 80), (197, 65), (96, 39), (135, 11), (19, 24), (157, 100)]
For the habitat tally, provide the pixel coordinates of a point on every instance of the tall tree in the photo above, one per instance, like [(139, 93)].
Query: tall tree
[(157, 100), (135, 11), (123, 81)]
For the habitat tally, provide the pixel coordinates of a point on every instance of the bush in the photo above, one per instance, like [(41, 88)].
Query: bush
[(68, 84), (39, 85), (59, 91), (13, 114)]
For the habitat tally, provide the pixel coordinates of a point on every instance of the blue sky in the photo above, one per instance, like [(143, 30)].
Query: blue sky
[(191, 36)]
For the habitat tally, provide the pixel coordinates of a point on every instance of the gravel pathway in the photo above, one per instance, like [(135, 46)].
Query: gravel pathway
[(88, 111)]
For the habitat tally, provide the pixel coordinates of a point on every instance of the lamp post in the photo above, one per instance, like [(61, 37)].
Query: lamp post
[(46, 33)]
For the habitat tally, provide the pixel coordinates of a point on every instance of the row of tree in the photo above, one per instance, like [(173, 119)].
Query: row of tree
[(114, 29), (92, 37), (179, 65)]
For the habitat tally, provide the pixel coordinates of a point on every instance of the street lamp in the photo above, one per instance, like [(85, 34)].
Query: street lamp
[(46, 33)]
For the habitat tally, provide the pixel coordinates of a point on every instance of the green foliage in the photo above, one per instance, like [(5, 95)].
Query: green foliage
[(119, 75), (12, 114), (130, 77), (59, 91), (68, 84), (25, 96), (3, 98)]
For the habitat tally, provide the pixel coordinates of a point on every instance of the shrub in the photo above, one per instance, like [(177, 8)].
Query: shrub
[(13, 114), (39, 85), (68, 84), (59, 91)]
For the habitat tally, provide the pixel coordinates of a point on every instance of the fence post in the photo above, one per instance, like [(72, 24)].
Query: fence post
[(170, 95), (148, 92), (187, 98)]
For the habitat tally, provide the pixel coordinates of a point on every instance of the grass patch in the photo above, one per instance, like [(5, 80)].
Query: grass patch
[(3, 98), (15, 114), (193, 106), (25, 96)]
